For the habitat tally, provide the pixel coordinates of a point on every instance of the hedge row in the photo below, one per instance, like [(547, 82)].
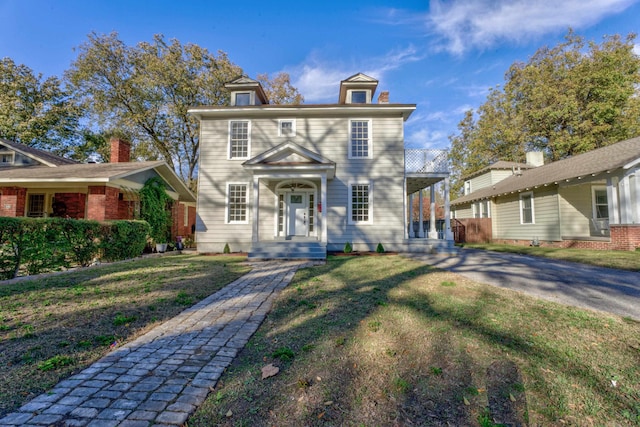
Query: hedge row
[(47, 244)]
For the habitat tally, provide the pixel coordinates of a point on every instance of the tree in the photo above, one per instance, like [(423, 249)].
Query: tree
[(565, 100), (145, 91), (36, 112), (279, 90)]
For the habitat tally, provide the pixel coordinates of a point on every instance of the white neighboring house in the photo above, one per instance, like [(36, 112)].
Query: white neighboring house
[(590, 200), (293, 181)]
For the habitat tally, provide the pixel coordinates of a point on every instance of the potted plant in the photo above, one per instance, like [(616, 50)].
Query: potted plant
[(154, 208)]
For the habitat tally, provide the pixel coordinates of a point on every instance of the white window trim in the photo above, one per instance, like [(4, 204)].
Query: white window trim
[(467, 187), (594, 211), (367, 95), (248, 140), (350, 220), (246, 203), (235, 98), (10, 153), (370, 150), (486, 203), (533, 210), (293, 127)]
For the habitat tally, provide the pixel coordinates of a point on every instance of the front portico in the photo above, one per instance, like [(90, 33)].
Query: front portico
[(296, 181)]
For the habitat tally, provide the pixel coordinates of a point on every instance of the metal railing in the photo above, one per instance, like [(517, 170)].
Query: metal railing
[(426, 161)]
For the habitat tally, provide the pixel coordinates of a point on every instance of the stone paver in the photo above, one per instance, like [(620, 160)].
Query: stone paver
[(160, 378)]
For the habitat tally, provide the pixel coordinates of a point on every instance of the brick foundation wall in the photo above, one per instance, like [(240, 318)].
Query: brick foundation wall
[(623, 238), (13, 201)]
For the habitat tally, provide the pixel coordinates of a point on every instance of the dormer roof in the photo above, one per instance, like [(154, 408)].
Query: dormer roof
[(358, 81), (246, 84)]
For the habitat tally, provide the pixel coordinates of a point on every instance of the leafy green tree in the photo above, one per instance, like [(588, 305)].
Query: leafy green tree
[(565, 100), (279, 89), (34, 111), (146, 90)]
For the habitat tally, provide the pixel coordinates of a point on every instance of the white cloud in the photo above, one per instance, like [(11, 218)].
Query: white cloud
[(318, 79), (636, 49), (463, 25), (425, 137)]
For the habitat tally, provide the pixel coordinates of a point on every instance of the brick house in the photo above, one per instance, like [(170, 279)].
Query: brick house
[(36, 183)]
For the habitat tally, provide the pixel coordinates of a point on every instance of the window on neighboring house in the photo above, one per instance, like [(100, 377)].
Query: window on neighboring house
[(237, 203), (467, 187), (186, 215), (6, 158), (527, 214), (239, 139), (359, 97), (360, 139), (287, 127), (600, 203), (360, 203), (485, 206), (243, 99), (36, 205)]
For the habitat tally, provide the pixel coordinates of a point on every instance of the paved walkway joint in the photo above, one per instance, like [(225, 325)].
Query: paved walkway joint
[(163, 376)]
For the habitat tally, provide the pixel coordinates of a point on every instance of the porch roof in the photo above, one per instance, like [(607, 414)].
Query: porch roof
[(290, 156)]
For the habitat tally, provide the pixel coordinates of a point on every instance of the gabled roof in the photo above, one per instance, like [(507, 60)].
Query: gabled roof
[(245, 83), (93, 173), (40, 156), (290, 155), (357, 81), (621, 155)]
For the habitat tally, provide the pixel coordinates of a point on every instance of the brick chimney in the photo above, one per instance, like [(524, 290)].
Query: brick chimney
[(120, 150), (383, 98)]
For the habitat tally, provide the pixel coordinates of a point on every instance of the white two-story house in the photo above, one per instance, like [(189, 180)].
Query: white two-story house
[(286, 181)]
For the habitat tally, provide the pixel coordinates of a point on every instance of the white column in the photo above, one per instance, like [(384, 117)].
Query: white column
[(612, 200), (323, 200), (636, 197), (448, 234), (421, 214), (433, 233), (625, 200), (411, 233), (256, 202), (405, 233)]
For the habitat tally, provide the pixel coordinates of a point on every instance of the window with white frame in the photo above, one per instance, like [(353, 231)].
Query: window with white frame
[(360, 203), (237, 203), (243, 98), (467, 187), (287, 127), (600, 203), (527, 212), (486, 209), (359, 139), (359, 97), (239, 144)]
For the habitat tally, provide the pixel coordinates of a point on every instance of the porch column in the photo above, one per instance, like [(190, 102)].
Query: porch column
[(323, 200), (405, 233), (636, 197), (411, 233), (433, 233), (612, 200), (421, 214), (256, 201), (448, 234), (625, 200)]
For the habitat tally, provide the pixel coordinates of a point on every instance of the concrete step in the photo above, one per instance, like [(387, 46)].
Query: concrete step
[(287, 250)]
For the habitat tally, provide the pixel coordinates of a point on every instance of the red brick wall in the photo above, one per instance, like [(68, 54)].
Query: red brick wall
[(623, 238), (13, 201), (75, 204), (120, 150), (103, 203), (177, 214)]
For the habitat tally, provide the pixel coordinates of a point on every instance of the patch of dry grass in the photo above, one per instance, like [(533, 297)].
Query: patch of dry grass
[(54, 326), (388, 341)]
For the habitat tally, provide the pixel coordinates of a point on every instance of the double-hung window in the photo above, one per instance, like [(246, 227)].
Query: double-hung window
[(360, 143), (360, 203), (239, 139), (287, 127), (237, 203), (527, 212), (600, 203)]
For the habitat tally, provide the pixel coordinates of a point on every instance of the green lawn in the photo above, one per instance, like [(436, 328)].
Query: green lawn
[(367, 341)]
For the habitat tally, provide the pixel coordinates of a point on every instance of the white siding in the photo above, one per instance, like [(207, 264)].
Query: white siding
[(506, 213), (481, 181), (326, 136)]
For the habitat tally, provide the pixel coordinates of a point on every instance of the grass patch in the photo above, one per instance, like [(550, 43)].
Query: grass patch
[(623, 260), (88, 311), (434, 354)]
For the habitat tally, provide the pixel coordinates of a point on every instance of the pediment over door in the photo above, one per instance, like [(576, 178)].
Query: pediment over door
[(292, 157)]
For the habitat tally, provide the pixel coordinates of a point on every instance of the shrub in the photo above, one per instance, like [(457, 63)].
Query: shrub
[(226, 249), (154, 208), (123, 239), (380, 248), (347, 248), (81, 239)]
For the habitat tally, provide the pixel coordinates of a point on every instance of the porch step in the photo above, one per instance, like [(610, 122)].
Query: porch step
[(288, 250), (432, 246)]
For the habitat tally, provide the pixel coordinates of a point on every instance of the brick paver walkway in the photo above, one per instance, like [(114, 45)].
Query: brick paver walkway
[(161, 378)]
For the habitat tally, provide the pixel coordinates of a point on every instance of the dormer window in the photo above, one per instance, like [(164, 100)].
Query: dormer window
[(243, 98), (359, 97)]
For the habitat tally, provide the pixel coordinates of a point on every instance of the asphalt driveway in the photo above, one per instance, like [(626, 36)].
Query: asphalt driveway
[(597, 288)]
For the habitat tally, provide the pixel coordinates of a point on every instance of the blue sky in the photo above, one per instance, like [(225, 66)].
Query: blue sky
[(441, 55)]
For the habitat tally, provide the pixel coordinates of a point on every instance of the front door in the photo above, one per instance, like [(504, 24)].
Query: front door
[(297, 215)]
